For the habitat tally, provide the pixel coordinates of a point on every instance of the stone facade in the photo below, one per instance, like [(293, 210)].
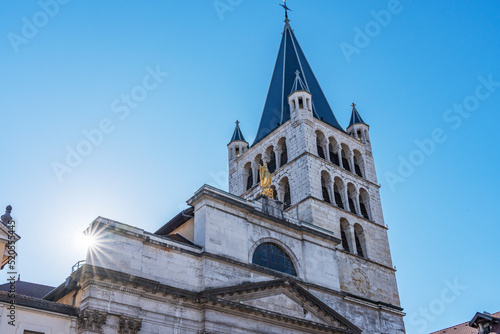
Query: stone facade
[(161, 285)]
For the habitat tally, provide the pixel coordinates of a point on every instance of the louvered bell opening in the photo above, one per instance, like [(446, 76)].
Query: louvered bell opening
[(250, 179), (351, 206), (326, 195), (364, 212), (345, 244), (284, 155), (287, 201), (338, 200), (321, 152), (258, 170), (345, 164), (334, 158), (358, 170), (359, 248), (271, 166)]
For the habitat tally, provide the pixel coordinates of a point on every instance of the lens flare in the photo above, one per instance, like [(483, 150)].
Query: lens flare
[(87, 241)]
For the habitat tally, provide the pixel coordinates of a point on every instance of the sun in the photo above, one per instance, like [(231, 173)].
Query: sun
[(86, 242)]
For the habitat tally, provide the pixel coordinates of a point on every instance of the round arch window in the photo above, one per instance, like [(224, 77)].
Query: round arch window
[(272, 256)]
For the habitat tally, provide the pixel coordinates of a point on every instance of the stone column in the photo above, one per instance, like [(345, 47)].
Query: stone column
[(255, 171), (332, 192), (327, 152), (351, 236), (277, 154), (351, 160), (356, 202), (345, 197)]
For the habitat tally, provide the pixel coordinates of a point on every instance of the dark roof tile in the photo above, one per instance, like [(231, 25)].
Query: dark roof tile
[(28, 289)]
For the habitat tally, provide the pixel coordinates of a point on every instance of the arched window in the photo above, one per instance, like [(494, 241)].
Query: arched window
[(345, 161), (344, 225), (334, 157), (287, 200), (357, 163), (321, 152), (350, 196), (284, 190), (275, 193), (336, 191), (359, 237), (272, 256), (284, 155), (363, 203), (320, 144), (326, 193), (272, 162), (250, 179), (258, 162), (249, 175)]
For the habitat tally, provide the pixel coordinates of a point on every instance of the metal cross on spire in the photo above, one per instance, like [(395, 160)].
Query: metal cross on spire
[(286, 9)]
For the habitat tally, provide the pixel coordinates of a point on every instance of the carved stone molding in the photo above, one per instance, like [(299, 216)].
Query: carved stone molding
[(91, 321), (130, 325)]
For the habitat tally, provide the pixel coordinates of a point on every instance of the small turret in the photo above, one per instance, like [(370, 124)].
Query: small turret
[(300, 100), (238, 145), (357, 127)]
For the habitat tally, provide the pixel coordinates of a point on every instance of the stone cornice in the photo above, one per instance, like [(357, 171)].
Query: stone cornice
[(91, 274)]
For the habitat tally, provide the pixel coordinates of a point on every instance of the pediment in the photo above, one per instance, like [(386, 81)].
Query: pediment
[(285, 303), (283, 300)]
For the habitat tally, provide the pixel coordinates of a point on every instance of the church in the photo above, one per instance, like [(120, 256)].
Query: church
[(297, 245)]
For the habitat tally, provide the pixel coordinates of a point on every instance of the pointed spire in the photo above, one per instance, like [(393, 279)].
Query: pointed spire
[(298, 84), (237, 134), (355, 116), (276, 110)]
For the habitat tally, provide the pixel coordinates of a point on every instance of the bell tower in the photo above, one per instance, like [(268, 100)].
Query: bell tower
[(322, 173)]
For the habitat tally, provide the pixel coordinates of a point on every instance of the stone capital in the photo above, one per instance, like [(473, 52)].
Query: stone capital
[(129, 325), (91, 321)]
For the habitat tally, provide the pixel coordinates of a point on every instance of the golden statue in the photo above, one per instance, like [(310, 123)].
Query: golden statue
[(265, 182)]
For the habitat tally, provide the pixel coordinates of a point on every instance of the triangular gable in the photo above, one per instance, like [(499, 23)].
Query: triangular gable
[(285, 301), (282, 301)]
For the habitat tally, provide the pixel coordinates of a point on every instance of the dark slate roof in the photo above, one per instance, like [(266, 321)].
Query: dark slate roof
[(276, 110), (40, 304), (29, 289), (237, 135), (355, 117)]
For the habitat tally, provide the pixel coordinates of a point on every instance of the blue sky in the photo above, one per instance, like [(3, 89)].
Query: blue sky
[(426, 79)]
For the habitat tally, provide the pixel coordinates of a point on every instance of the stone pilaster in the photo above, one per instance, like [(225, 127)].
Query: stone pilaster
[(129, 325), (91, 321)]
